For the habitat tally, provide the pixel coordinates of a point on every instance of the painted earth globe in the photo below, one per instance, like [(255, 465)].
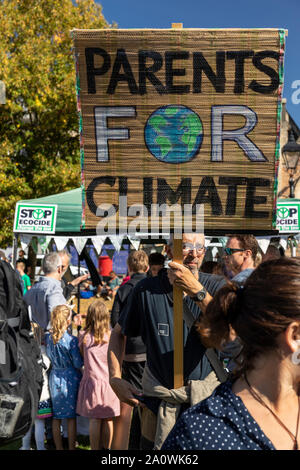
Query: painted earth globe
[(173, 134)]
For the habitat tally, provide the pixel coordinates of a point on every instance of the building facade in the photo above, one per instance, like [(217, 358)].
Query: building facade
[(287, 123)]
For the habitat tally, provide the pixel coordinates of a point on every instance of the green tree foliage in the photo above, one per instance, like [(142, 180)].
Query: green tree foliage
[(39, 141)]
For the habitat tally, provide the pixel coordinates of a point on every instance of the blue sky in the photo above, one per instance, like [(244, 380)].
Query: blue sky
[(220, 14)]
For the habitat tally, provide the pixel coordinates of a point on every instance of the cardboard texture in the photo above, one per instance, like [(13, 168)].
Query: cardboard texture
[(181, 116)]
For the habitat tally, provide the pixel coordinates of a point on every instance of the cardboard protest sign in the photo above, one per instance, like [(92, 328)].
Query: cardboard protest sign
[(181, 116)]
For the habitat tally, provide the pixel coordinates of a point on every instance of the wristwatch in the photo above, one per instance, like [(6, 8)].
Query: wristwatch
[(200, 296)]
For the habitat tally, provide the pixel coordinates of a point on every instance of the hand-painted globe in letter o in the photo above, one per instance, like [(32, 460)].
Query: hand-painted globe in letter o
[(174, 134)]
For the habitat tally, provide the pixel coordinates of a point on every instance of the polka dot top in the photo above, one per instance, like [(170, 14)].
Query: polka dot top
[(221, 422)]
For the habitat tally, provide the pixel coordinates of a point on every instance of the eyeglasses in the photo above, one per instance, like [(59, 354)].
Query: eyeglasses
[(230, 251), (187, 247)]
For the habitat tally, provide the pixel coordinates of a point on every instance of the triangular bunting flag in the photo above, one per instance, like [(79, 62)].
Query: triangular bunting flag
[(61, 242), (263, 243), (25, 240), (110, 253), (43, 243), (207, 241), (98, 243), (223, 240), (116, 240), (283, 242), (134, 242), (34, 244), (79, 243), (214, 251)]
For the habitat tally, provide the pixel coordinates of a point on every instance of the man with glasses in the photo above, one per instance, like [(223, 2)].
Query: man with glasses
[(149, 313), (47, 293), (69, 286), (239, 257)]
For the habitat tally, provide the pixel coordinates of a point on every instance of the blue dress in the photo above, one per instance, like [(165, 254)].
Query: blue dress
[(220, 422), (65, 376)]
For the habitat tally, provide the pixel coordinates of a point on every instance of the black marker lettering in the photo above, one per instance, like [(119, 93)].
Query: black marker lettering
[(201, 65), (148, 72), (170, 56), (232, 182), (91, 70), (257, 62), (251, 199), (239, 57), (208, 186), (116, 77)]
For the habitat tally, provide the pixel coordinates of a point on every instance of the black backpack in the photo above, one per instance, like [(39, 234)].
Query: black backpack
[(21, 376)]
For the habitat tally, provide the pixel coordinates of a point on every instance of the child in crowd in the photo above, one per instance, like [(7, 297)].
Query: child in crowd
[(20, 267), (113, 285), (65, 375), (44, 410), (96, 399)]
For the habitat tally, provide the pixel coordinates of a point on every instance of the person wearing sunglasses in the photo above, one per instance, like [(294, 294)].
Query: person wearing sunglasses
[(239, 259), (239, 256)]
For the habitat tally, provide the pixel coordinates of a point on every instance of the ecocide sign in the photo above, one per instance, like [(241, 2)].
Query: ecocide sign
[(35, 218), (288, 216)]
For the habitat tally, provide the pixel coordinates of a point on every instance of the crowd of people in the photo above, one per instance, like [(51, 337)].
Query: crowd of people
[(241, 374)]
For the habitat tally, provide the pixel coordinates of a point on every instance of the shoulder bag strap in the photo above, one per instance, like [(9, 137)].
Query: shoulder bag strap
[(210, 353), (217, 365)]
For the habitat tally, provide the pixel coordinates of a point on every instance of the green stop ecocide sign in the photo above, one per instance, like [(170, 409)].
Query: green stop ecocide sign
[(35, 218), (288, 214)]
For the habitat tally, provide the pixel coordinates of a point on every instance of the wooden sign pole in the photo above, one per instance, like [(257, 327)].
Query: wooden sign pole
[(178, 320), (178, 305)]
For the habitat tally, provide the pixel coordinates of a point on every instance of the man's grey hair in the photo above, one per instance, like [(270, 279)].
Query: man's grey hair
[(50, 262), (64, 253)]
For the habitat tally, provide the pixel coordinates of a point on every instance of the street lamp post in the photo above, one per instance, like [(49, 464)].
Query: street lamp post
[(291, 154)]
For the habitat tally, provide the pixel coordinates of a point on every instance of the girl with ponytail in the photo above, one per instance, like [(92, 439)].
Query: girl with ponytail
[(259, 407), (96, 399)]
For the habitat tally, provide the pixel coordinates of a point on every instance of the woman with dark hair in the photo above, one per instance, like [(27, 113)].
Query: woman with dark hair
[(259, 407)]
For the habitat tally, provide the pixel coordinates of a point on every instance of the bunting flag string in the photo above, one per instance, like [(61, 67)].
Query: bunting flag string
[(40, 244)]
